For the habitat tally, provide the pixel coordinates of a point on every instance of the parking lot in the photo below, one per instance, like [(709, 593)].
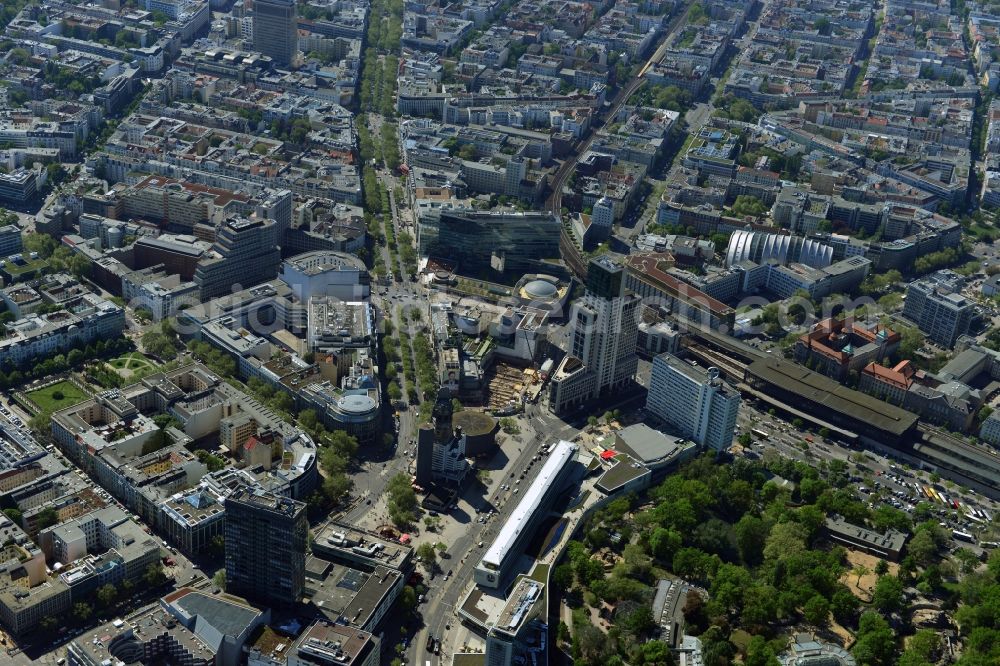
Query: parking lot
[(881, 480)]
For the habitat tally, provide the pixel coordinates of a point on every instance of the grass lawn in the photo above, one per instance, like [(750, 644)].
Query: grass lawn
[(539, 572), (18, 270), (57, 396), (130, 361)]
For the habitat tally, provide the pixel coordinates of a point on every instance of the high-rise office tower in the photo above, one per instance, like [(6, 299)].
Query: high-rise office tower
[(935, 302), (693, 400), (603, 333), (603, 218), (245, 253), (605, 326), (266, 538), (277, 205), (276, 30)]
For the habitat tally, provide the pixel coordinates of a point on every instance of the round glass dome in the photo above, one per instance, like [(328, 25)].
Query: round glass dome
[(540, 289)]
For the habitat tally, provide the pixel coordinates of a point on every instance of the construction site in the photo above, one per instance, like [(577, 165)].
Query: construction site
[(508, 387)]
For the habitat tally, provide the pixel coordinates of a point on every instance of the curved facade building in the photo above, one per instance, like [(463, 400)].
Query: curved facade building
[(762, 248), (326, 273), (357, 412), (543, 292), (354, 408)]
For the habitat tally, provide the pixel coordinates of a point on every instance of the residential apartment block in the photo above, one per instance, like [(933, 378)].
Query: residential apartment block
[(936, 305)]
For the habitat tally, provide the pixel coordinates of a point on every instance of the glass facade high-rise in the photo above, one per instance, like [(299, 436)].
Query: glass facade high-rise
[(276, 30), (266, 538), (480, 240), (604, 328)]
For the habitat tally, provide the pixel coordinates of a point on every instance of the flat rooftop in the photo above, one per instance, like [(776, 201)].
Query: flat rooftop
[(334, 643), (624, 470), (525, 594), (647, 444), (267, 500), (345, 594), (17, 447), (146, 626), (824, 391), (889, 540), (334, 318), (974, 461), (481, 605), (355, 543), (228, 615), (530, 501)]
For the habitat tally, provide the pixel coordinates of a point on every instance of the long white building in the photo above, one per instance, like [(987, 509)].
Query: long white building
[(496, 564)]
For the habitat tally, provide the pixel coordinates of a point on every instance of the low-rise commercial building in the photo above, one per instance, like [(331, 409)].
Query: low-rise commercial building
[(358, 549), (647, 276), (154, 475), (86, 319), (188, 626), (350, 596), (99, 548), (27, 594), (326, 273), (321, 644), (550, 484), (888, 545)]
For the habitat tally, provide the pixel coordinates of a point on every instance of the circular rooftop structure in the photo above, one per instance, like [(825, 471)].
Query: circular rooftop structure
[(545, 292), (541, 289), (480, 430), (325, 260), (356, 403), (474, 423)]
